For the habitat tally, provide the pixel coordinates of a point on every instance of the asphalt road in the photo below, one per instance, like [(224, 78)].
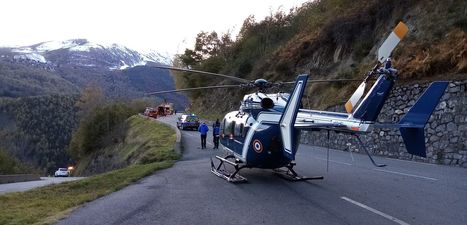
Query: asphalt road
[(352, 192), (24, 186)]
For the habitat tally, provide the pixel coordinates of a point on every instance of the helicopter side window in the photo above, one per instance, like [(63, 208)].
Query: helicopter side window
[(227, 127), (232, 128), (245, 131), (223, 126), (238, 129), (241, 130)]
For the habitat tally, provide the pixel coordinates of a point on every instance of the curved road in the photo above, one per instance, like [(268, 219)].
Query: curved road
[(352, 192), (28, 185)]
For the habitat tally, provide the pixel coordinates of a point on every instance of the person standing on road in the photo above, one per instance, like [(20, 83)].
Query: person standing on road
[(203, 130), (216, 127)]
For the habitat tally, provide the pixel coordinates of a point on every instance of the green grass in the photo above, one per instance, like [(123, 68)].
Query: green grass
[(145, 142), (43, 205), (152, 142)]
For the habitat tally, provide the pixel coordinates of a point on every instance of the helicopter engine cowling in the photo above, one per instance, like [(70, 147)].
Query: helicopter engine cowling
[(267, 103)]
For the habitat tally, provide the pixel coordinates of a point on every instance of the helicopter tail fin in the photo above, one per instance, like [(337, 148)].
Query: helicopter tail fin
[(287, 121), (413, 123)]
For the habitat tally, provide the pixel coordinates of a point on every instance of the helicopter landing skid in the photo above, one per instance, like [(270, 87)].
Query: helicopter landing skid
[(291, 175), (225, 174)]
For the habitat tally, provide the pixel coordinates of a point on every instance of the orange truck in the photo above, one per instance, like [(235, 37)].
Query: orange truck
[(161, 110)]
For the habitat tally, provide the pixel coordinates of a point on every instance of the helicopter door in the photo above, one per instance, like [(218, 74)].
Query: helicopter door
[(287, 121)]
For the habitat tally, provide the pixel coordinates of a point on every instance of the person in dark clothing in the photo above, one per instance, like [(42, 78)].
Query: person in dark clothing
[(203, 130), (216, 127)]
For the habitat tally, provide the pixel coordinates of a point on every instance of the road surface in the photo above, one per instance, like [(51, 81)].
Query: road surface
[(24, 186), (352, 192)]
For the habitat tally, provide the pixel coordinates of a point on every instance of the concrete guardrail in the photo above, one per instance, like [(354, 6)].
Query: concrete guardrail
[(18, 178)]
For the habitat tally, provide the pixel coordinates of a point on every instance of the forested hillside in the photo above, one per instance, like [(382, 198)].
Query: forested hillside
[(28, 78), (330, 39), (21, 80), (40, 102), (37, 130), (9, 165)]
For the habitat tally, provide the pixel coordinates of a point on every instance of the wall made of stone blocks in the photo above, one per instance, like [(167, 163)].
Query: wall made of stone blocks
[(445, 133)]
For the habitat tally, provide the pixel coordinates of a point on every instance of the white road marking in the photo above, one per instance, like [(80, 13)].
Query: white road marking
[(348, 164), (394, 219), (406, 174), (408, 161)]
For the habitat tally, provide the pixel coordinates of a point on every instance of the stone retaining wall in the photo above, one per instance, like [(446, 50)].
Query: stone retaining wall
[(446, 131)]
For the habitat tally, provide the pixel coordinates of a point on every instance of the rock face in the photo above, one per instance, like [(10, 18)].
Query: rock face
[(445, 132)]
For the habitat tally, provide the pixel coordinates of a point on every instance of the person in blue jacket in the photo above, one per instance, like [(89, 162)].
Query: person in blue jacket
[(216, 127), (203, 130)]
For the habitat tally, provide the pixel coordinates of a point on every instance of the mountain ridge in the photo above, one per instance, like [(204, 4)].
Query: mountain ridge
[(66, 67), (82, 52)]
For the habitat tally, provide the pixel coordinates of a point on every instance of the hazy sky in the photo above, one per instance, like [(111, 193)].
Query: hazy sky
[(166, 26)]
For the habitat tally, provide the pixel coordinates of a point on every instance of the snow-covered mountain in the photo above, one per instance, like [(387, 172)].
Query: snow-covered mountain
[(66, 67), (81, 52)]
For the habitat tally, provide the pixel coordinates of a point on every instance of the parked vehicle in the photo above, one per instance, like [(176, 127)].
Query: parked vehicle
[(188, 121), (151, 112), (166, 109), (62, 172)]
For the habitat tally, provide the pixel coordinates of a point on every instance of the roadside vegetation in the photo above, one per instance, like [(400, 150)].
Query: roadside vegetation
[(52, 131), (9, 165), (134, 141), (148, 146), (327, 39), (37, 130), (48, 204)]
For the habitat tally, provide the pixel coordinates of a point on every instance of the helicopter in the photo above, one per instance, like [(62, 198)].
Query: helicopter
[(265, 131)]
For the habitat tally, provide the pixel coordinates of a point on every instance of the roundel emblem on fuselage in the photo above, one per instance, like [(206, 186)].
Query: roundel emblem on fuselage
[(257, 146)]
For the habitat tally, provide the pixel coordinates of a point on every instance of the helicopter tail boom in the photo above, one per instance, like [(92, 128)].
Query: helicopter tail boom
[(413, 123)]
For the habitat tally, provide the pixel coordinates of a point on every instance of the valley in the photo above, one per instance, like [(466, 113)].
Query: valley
[(40, 89)]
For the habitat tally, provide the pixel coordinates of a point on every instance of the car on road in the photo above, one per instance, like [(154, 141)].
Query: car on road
[(62, 172), (188, 121)]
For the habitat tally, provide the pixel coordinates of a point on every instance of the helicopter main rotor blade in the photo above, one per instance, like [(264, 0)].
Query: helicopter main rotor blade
[(196, 88), (324, 81), (241, 80)]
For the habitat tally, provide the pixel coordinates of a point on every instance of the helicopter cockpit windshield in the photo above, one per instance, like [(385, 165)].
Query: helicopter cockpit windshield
[(236, 125), (249, 104)]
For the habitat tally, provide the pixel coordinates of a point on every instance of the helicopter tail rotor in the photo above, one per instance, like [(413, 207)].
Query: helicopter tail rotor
[(384, 52), (356, 96), (391, 41)]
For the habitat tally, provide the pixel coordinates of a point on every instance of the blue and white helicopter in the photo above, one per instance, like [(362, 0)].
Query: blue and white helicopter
[(265, 132)]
